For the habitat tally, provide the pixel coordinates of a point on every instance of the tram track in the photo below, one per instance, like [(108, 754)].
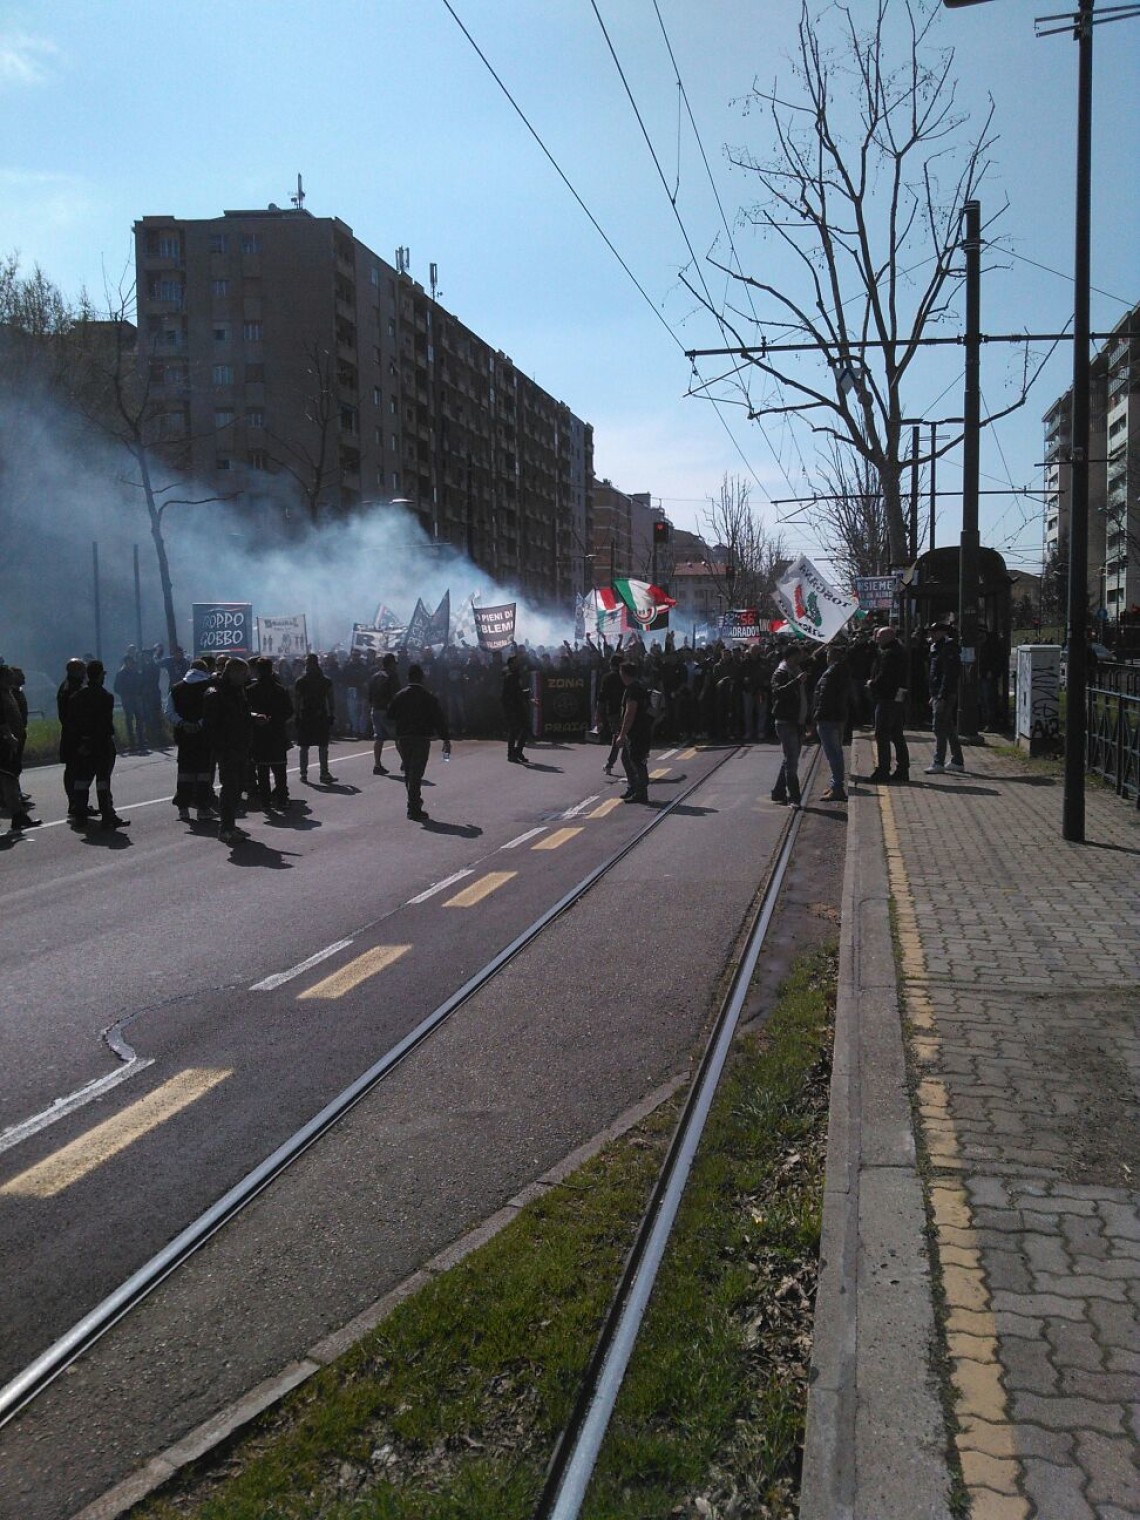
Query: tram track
[(38, 1375)]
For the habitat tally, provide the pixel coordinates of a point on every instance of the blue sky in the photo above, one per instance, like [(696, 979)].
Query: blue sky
[(114, 109)]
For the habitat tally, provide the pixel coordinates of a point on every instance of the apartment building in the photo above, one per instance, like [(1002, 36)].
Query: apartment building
[(1114, 473), (290, 366)]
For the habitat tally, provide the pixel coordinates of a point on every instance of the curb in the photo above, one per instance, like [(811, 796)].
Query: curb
[(875, 1442)]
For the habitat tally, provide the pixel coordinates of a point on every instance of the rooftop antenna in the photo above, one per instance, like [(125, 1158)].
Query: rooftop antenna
[(434, 280), (403, 260), (299, 199)]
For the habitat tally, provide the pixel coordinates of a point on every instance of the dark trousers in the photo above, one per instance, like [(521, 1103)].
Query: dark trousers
[(231, 781), (414, 751), (888, 731), (278, 770), (518, 732), (946, 730), (790, 737), (86, 769), (635, 763)]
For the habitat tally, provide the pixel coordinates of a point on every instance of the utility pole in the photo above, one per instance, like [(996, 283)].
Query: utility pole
[(968, 555), (914, 492), (1073, 811)]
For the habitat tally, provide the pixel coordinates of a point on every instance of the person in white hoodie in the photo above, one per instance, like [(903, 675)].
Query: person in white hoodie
[(195, 786)]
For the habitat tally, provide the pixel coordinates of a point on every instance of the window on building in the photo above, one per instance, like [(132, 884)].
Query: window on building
[(376, 353), (251, 332), (156, 372), (223, 374), (251, 242), (223, 416), (255, 418), (391, 327), (222, 463), (395, 441), (160, 288), (378, 437), (255, 374), (395, 480), (258, 459), (218, 242), (221, 333), (374, 275), (219, 287)]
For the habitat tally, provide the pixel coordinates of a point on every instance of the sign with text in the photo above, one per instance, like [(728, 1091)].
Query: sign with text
[(278, 636), (495, 626), (876, 593), (223, 628), (563, 706)]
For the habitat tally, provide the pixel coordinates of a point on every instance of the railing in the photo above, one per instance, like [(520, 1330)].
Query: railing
[(1113, 736)]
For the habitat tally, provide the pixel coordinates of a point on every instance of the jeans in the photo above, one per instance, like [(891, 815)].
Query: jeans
[(790, 737), (831, 741), (946, 730)]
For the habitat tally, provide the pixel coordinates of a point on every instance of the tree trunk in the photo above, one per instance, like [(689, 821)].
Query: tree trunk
[(155, 514)]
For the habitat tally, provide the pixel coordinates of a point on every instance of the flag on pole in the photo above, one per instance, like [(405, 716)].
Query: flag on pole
[(606, 611), (812, 606), (418, 625), (439, 625), (648, 604)]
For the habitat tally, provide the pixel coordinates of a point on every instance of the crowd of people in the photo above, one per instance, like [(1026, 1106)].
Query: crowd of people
[(233, 721)]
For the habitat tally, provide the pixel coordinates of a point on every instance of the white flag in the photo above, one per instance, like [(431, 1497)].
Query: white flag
[(814, 608)]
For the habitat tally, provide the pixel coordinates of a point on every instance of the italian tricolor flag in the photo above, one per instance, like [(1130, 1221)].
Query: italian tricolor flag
[(647, 603)]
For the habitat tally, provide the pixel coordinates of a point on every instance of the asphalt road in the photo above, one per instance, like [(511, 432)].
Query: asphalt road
[(185, 948)]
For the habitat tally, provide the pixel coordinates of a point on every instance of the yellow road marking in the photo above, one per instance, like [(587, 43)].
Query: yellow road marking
[(480, 889), (357, 971), (689, 754), (662, 770), (605, 807), (89, 1151), (559, 837)]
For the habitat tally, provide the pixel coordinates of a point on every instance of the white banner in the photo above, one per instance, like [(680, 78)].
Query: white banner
[(813, 607), (277, 636)]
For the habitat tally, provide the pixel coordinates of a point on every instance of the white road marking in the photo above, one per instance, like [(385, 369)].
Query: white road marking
[(440, 886), (279, 977), (61, 1107), (513, 844), (580, 807)]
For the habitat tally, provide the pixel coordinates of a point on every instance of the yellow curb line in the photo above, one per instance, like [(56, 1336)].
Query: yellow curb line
[(985, 1438)]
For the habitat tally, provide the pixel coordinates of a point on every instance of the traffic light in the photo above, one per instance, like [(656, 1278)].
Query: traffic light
[(662, 532)]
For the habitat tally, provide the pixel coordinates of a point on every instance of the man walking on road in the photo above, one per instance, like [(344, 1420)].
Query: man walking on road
[(944, 679), (381, 689), (416, 715), (516, 711), (634, 734), (91, 716)]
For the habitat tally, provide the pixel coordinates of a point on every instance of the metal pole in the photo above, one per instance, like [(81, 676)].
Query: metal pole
[(914, 491), (1073, 816), (98, 610), (138, 603), (971, 439), (933, 474)]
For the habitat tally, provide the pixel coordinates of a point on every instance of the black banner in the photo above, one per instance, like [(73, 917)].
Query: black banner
[(563, 712), (495, 626)]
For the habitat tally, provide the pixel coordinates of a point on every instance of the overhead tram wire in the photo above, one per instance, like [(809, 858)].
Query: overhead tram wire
[(696, 263), (597, 226), (723, 217)]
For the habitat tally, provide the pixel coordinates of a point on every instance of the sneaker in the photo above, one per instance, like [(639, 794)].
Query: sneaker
[(379, 770), (327, 778), (956, 767), (935, 768), (834, 794), (232, 836), (636, 797), (609, 770), (878, 775), (417, 815), (114, 822), (184, 815), (779, 801), (21, 821), (900, 777)]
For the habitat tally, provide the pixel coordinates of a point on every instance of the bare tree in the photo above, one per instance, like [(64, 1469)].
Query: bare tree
[(312, 457), (115, 396), (752, 557), (849, 516), (865, 187)]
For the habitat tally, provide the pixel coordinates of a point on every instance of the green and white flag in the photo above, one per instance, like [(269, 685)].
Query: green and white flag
[(813, 607)]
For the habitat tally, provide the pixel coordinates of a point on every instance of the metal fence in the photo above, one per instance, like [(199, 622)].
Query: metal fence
[(1113, 729)]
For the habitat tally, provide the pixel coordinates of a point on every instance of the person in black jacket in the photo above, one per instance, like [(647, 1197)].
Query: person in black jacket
[(416, 715), (195, 778), (635, 734), (229, 723), (316, 710), (91, 716), (75, 673), (383, 686), (888, 687), (944, 679), (608, 716), (789, 712), (516, 711), (831, 700), (272, 707)]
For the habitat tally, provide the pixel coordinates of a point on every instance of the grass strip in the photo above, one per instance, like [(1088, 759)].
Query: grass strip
[(449, 1410)]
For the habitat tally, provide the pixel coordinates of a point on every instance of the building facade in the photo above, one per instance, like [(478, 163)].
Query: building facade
[(1114, 474), (290, 366)]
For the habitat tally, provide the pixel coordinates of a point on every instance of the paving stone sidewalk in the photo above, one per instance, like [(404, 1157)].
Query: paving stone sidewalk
[(1019, 974)]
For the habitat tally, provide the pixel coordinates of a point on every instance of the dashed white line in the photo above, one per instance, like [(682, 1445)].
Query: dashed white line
[(279, 977), (448, 881), (64, 1106), (580, 807), (513, 844)]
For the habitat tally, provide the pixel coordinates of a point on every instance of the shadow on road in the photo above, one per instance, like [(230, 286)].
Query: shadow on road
[(251, 852), (463, 830)]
